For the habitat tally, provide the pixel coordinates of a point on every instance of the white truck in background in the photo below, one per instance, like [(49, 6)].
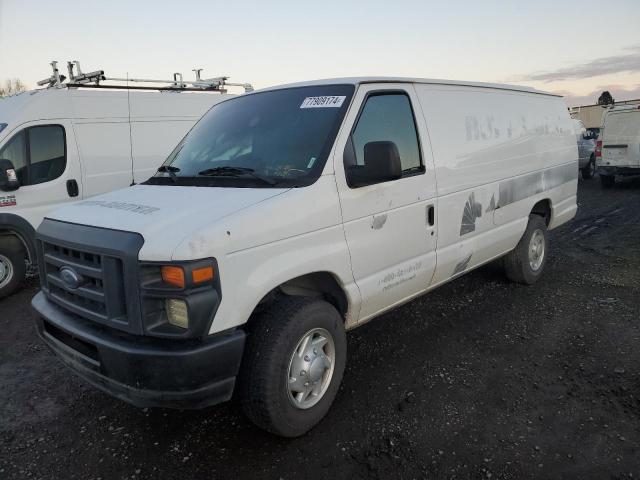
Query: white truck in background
[(286, 217), (70, 141), (619, 153), (586, 140)]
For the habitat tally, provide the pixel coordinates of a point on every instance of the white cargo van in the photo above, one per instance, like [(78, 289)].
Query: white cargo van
[(66, 143), (620, 150), (289, 215)]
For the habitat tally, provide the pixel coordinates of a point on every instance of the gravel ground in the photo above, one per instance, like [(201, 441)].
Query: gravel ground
[(478, 379)]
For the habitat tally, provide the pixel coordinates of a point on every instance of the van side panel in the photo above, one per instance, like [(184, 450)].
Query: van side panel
[(497, 153), (105, 150)]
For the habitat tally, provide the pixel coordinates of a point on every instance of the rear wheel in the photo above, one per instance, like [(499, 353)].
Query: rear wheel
[(293, 365), (13, 269), (525, 263), (590, 169), (607, 181)]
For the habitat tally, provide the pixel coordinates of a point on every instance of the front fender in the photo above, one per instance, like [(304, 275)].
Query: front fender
[(248, 275)]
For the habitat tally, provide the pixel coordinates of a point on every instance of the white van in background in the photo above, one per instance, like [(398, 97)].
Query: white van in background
[(289, 215), (72, 141), (620, 154)]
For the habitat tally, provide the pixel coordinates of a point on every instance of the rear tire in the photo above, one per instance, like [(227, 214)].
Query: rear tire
[(589, 171), (13, 269), (525, 263), (607, 181), (274, 392)]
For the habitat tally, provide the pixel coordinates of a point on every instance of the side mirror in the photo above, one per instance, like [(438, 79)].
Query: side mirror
[(8, 177), (381, 164)]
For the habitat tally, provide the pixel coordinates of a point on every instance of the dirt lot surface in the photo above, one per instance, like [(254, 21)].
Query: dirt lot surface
[(478, 379)]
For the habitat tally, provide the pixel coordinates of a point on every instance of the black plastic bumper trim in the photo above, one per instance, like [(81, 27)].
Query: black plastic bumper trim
[(613, 170), (145, 372)]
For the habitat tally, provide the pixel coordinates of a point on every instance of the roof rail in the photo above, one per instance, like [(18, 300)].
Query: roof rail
[(97, 79), (55, 80)]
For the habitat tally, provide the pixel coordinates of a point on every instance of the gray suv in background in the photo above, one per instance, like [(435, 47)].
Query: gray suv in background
[(586, 140)]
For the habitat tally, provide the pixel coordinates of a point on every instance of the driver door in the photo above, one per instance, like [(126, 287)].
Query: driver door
[(46, 161), (390, 227)]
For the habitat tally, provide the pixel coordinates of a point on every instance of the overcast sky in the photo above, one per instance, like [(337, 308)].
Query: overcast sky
[(577, 47)]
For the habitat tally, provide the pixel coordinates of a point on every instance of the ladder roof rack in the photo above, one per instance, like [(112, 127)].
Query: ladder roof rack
[(97, 79)]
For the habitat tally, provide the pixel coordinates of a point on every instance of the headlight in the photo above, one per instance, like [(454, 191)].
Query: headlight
[(177, 312), (179, 299)]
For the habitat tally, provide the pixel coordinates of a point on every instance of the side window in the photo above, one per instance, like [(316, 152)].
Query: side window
[(389, 117), (37, 153), (47, 159), (16, 151)]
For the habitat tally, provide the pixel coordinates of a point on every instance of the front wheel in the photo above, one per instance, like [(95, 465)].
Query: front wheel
[(590, 169), (525, 263), (12, 270), (293, 365)]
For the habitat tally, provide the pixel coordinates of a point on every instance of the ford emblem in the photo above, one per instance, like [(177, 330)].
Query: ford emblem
[(71, 278)]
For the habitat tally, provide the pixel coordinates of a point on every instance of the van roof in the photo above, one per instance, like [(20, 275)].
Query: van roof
[(431, 81)]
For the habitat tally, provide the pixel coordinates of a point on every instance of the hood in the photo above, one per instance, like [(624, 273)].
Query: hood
[(162, 213)]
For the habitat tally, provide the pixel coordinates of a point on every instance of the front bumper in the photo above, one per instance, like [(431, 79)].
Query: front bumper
[(613, 170), (144, 371)]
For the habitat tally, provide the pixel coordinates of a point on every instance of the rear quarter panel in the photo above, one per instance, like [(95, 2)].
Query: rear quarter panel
[(497, 153)]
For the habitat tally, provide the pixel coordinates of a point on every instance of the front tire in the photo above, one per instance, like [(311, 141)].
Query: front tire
[(13, 270), (525, 263), (293, 364), (589, 171), (607, 181)]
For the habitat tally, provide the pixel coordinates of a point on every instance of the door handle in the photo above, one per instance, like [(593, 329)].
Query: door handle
[(431, 215), (72, 188)]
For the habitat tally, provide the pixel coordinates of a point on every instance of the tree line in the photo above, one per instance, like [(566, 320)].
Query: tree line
[(12, 86)]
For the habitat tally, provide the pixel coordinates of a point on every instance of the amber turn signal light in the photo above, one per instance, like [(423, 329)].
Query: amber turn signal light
[(173, 276), (200, 275)]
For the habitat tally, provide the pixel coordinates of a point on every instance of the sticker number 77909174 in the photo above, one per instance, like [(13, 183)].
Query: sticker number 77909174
[(327, 101), (8, 201)]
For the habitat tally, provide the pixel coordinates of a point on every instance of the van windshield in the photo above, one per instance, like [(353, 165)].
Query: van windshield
[(278, 138)]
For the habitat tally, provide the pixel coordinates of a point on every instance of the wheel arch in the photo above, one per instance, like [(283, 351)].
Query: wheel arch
[(544, 209), (321, 284), (12, 225)]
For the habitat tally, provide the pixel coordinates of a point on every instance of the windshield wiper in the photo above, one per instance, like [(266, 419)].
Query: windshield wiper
[(229, 171), (171, 171)]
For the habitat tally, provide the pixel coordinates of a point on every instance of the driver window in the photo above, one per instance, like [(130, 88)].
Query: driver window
[(389, 117), (46, 153), (37, 153), (16, 151)]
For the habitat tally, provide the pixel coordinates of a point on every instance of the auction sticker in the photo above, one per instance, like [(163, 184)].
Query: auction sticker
[(8, 201), (330, 101)]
